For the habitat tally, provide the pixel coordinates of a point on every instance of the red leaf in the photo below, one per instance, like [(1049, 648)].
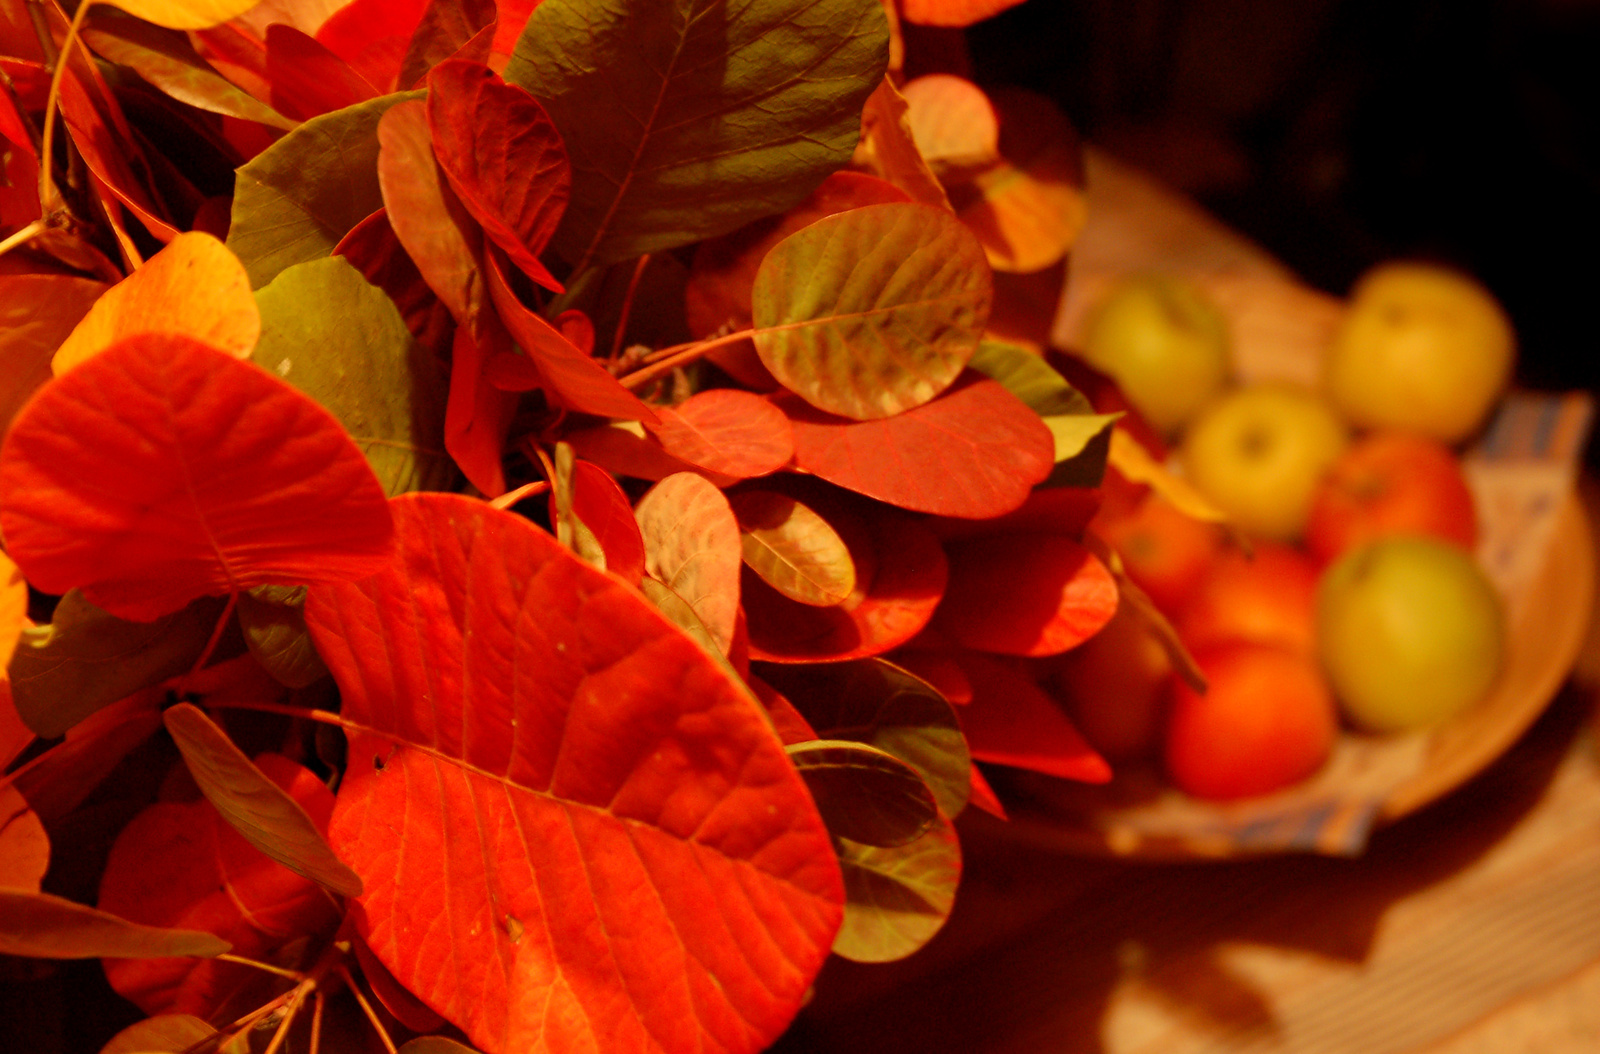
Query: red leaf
[(975, 451), (37, 311), (178, 864), (512, 18), (623, 452), (443, 239), (374, 249), (604, 509), (726, 432), (307, 78), (1048, 510), (57, 781), (1025, 594), (162, 470), (503, 157), (477, 414), (983, 795), (372, 35), (604, 846), (900, 576), (406, 1008), (1012, 721), (112, 158), (569, 374)]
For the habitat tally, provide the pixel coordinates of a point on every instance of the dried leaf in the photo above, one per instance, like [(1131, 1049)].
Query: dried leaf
[(888, 149), (295, 200), (503, 158), (691, 545), (209, 476), (873, 311), (792, 548), (194, 287), (254, 805), (334, 336), (975, 451), (588, 786), (677, 133), (897, 899), (874, 701), (86, 659), (865, 794), (49, 927), (1032, 594)]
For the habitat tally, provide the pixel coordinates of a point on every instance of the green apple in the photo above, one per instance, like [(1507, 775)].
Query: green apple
[(1421, 348), (1409, 631), (1259, 452), (1165, 344)]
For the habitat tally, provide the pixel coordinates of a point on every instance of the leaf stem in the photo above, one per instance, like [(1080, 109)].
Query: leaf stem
[(293, 975), (315, 1043), (50, 200), (296, 997), (327, 717), (216, 633), (667, 359), (23, 236), (627, 309), (372, 1015)]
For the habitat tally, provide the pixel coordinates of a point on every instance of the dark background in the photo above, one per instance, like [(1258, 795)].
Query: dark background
[(1341, 132)]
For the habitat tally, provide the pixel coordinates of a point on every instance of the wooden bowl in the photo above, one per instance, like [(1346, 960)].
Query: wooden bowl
[(1537, 548)]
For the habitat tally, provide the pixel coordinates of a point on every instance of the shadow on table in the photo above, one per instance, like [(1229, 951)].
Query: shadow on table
[(1038, 943)]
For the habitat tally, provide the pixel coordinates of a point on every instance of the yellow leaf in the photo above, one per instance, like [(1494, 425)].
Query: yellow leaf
[(185, 14), (952, 121), (1134, 462), (13, 609), (194, 286), (887, 148)]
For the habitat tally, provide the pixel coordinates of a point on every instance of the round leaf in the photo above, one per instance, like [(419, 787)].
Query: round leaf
[(865, 794), (1025, 594), (185, 14), (602, 834), (691, 545), (726, 432), (898, 898), (873, 311), (162, 470), (792, 548)]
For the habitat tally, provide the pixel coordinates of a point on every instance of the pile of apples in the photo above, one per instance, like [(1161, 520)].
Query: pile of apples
[(1340, 590)]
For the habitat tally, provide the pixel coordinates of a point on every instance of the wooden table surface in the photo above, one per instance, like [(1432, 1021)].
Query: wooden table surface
[(1472, 926)]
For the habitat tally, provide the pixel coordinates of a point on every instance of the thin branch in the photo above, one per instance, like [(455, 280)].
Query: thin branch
[(50, 200), (316, 1024), (298, 996), (665, 360), (327, 717), (627, 309), (216, 633), (372, 1015), (293, 975), (23, 236)]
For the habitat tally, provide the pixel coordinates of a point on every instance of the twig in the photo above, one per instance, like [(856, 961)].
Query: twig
[(627, 309), (50, 200), (293, 975), (372, 1015), (216, 633), (316, 1024), (23, 236)]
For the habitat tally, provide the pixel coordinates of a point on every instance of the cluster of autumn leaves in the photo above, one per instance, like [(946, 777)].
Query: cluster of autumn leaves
[(598, 421)]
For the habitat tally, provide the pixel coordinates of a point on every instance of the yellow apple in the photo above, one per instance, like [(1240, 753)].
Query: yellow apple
[(1409, 631), (1421, 348), (1165, 344), (1259, 452)]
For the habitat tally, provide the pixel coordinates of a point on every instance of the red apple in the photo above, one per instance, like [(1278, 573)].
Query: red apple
[(1164, 551), (1391, 483), (1267, 720), (1115, 686), (1267, 596)]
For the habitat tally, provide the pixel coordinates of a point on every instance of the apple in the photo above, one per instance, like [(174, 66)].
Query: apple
[(1115, 684), (1258, 453), (1410, 632), (1266, 720), (1265, 596), (1165, 552), (1165, 344), (1391, 483), (1422, 348)]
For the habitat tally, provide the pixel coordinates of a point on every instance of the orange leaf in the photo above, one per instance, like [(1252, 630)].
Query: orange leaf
[(952, 12)]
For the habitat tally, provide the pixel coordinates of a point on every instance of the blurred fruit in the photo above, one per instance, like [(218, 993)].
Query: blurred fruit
[(1391, 483), (1165, 552), (1422, 348), (1410, 632), (1259, 452), (1115, 685), (1165, 344), (1267, 720), (1268, 596)]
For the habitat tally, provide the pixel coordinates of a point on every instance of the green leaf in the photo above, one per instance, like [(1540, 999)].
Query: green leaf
[(256, 807), (874, 311), (274, 624), (1030, 378), (876, 702), (167, 59), (50, 927), (865, 794), (896, 899), (169, 1034), (329, 332), (85, 659), (685, 119), (294, 201), (794, 550), (1083, 442)]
